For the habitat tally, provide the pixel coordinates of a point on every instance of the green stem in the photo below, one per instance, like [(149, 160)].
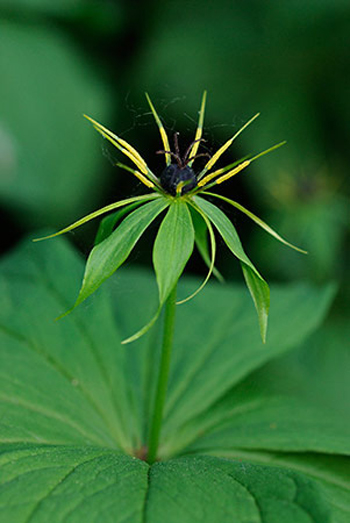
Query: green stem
[(163, 376)]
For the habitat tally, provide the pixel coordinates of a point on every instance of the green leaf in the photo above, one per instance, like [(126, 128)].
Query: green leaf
[(257, 286), (206, 489), (72, 398), (224, 346), (286, 400), (330, 472), (58, 483), (107, 256), (172, 248)]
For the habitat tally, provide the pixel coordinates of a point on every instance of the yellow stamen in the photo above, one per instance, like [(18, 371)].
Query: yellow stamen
[(121, 144), (124, 151), (226, 176), (179, 188), (163, 134), (144, 180), (140, 176), (233, 172), (199, 131), (222, 149)]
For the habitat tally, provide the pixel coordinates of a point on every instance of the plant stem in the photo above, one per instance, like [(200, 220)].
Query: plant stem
[(163, 376)]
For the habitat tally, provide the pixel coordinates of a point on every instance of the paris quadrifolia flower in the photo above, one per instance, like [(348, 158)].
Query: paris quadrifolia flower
[(181, 195)]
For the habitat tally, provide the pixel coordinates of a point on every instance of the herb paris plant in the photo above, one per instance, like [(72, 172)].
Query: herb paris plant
[(180, 191)]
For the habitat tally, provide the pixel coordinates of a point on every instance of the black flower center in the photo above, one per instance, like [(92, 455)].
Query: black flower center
[(173, 175), (180, 172)]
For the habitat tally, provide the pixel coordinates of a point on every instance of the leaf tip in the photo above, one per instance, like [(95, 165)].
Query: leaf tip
[(35, 240), (64, 314)]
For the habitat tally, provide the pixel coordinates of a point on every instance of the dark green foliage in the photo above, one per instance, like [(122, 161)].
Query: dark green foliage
[(73, 400)]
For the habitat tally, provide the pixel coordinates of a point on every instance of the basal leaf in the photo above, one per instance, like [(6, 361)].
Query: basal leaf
[(72, 398), (286, 402), (205, 489), (107, 256), (56, 384), (257, 286), (59, 483), (213, 356), (331, 473)]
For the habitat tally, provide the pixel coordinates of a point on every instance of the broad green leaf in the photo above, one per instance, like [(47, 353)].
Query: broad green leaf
[(257, 286), (216, 344), (293, 408), (57, 385), (286, 400), (107, 256), (215, 348), (331, 473), (59, 483), (284, 422), (173, 247), (72, 397), (205, 489)]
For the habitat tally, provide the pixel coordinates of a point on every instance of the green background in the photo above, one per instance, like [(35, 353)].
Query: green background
[(290, 61), (287, 60)]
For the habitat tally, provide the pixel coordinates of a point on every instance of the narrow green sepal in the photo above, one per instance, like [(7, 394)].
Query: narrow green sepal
[(144, 329), (99, 212), (109, 223), (256, 284), (106, 257), (172, 248), (257, 220), (260, 293), (201, 240)]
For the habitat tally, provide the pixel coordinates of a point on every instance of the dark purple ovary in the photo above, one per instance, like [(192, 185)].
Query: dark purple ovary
[(173, 175)]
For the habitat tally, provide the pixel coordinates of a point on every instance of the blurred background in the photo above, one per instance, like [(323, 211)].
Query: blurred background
[(287, 60)]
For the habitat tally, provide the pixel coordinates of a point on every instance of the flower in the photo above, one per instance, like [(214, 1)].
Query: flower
[(189, 217)]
